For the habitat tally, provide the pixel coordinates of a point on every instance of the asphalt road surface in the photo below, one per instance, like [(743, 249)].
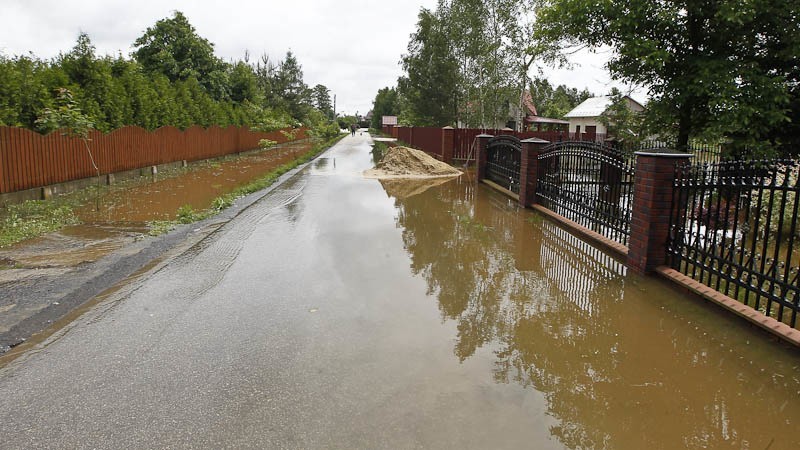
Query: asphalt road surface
[(298, 324)]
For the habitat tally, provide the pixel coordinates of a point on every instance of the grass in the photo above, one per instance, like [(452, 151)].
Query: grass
[(186, 214), (34, 218)]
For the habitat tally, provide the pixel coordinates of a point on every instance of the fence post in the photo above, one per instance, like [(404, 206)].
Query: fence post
[(448, 134), (480, 156), (652, 208), (529, 170)]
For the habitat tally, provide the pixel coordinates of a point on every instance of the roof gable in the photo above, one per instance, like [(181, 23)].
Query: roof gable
[(591, 107), (596, 106)]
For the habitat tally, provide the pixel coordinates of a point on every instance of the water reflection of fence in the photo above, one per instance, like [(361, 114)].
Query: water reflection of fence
[(578, 269), (731, 226), (29, 160), (734, 228)]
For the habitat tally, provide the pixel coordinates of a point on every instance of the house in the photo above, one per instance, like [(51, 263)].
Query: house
[(584, 120), (531, 120)]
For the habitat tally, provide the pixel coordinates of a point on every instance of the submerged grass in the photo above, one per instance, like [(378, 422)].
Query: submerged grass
[(33, 218), (186, 214)]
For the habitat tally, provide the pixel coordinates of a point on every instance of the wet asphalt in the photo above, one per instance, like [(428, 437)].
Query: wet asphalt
[(298, 324)]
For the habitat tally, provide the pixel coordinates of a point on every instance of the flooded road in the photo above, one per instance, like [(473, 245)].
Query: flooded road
[(342, 312)]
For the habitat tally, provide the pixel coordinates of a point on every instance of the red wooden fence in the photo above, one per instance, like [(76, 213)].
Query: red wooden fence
[(29, 160), (429, 139)]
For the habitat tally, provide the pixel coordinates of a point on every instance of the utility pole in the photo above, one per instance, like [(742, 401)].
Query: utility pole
[(334, 106)]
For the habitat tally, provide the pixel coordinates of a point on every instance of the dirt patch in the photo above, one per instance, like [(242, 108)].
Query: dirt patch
[(404, 162)]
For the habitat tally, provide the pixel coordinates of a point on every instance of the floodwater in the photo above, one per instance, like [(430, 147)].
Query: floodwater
[(343, 312), (121, 214), (618, 360), (198, 187)]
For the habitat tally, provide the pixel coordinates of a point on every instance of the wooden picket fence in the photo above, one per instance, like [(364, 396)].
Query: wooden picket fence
[(29, 160)]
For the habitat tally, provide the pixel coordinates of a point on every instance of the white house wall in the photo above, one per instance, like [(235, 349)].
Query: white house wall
[(584, 122)]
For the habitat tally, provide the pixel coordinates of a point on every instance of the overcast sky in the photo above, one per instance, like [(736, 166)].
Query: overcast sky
[(351, 46)]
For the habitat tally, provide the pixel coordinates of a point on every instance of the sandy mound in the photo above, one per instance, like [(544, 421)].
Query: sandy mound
[(404, 162)]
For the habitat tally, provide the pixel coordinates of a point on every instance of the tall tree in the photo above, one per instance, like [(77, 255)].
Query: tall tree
[(385, 104), (294, 94), (429, 85), (555, 102), (172, 47), (321, 97), (468, 63), (712, 67)]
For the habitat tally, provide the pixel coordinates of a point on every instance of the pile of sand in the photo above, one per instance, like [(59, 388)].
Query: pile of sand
[(404, 162)]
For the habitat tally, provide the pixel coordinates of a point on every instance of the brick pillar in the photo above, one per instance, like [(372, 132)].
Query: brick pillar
[(529, 170), (652, 207), (448, 136), (480, 155)]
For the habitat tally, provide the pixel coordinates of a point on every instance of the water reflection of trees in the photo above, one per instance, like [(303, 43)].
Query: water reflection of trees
[(552, 309)]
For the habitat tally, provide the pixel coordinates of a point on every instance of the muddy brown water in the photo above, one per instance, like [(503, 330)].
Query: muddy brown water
[(620, 361), (420, 313), (198, 187), (120, 214)]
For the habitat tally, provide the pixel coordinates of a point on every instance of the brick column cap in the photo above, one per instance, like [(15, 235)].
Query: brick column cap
[(665, 153), (534, 140), (448, 128), (484, 136)]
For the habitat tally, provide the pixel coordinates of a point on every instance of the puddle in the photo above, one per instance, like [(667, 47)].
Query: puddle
[(121, 214), (198, 187)]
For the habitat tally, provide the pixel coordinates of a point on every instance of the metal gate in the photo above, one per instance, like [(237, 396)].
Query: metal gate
[(503, 160), (589, 183)]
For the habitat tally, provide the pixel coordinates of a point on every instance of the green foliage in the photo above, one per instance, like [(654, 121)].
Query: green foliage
[(321, 97), (431, 75), (320, 126), (344, 122), (713, 69), (187, 214), (291, 93), (173, 48), (267, 143), (781, 176), (385, 104), (174, 79), (555, 102), (33, 218), (269, 120), (65, 116), (621, 122), (289, 134), (467, 63)]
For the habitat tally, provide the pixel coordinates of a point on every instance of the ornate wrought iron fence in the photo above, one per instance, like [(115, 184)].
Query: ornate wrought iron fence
[(734, 228), (589, 183), (503, 161)]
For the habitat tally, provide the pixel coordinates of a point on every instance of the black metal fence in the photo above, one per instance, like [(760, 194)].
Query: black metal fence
[(503, 161), (588, 183), (702, 153), (734, 228)]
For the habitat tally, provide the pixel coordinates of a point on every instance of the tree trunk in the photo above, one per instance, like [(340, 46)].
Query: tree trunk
[(684, 126)]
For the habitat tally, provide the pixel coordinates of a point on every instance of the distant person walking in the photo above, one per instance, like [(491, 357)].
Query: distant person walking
[(352, 129)]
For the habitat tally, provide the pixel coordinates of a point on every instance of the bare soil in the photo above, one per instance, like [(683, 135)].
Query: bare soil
[(404, 162)]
